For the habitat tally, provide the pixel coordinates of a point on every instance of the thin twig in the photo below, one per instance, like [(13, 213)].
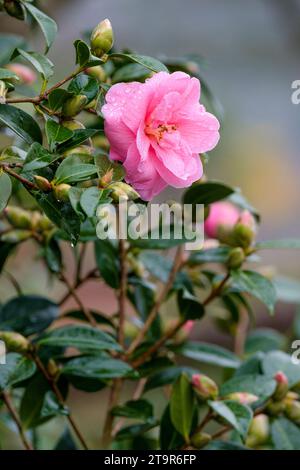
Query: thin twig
[(89, 316), (81, 281), (5, 397), (113, 401), (15, 175), (59, 397), (152, 315)]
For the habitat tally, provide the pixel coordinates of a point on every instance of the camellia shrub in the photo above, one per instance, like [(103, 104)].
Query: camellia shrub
[(123, 126)]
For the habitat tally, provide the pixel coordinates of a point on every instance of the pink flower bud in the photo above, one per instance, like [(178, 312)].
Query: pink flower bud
[(26, 75), (242, 397), (282, 386), (221, 215), (188, 326), (205, 388), (246, 218)]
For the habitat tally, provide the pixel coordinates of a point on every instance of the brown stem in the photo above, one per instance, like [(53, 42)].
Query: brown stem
[(113, 401), (24, 181), (156, 346), (152, 315), (38, 99), (81, 281), (241, 333), (221, 432), (59, 397), (122, 293), (73, 293), (5, 397)]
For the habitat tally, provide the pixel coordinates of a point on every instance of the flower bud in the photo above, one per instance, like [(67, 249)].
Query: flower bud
[(74, 105), (97, 72), (14, 341), (102, 38), (3, 91), (205, 388), (292, 411), (81, 149), (72, 124), (242, 397), (242, 235), (106, 179), (44, 224), (222, 216), (26, 75), (282, 386), (17, 217), (122, 190), (200, 440), (42, 183), (236, 258), (258, 431), (61, 192), (52, 368), (14, 8), (100, 141), (16, 236), (275, 408)]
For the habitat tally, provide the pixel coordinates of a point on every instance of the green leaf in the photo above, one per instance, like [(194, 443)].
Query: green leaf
[(285, 435), (85, 85), (89, 200), (79, 137), (182, 406), (5, 190), (57, 98), (15, 370), (130, 72), (190, 307), (258, 385), (28, 314), (38, 157), (5, 250), (167, 376), (288, 243), (208, 353), (275, 361), (105, 165), (21, 123), (41, 63), (51, 406), (25, 368), (264, 339), (169, 438), (207, 193), (135, 430), (47, 24), (98, 367), (73, 169), (108, 263), (237, 415), (257, 285), (61, 214), (160, 267), (82, 52), (211, 255), (162, 238), (99, 317), (134, 409), (32, 402), (148, 62), (56, 133), (85, 338), (6, 74)]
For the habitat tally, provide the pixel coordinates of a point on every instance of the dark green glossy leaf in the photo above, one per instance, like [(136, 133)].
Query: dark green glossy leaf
[(189, 306), (47, 24), (57, 98), (98, 367), (275, 361), (130, 72), (148, 62), (66, 441), (208, 353), (90, 199), (207, 193), (21, 123), (82, 52), (28, 314), (211, 255), (258, 385), (38, 157), (264, 339), (134, 409), (84, 85), (6, 74), (234, 413), (85, 338), (8, 43), (73, 169), (285, 435), (79, 137), (41, 63), (257, 285), (56, 133), (108, 262)]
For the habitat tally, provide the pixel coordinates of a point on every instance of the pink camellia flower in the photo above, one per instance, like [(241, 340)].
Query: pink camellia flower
[(221, 214), (25, 74), (157, 130)]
